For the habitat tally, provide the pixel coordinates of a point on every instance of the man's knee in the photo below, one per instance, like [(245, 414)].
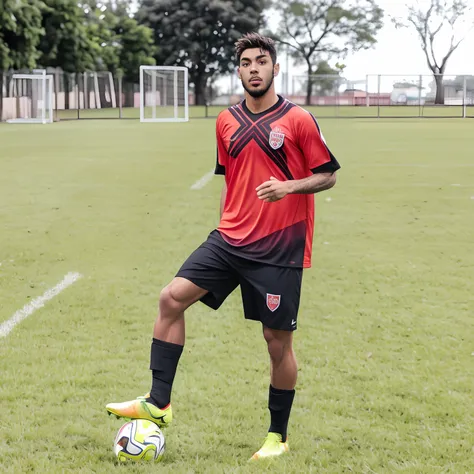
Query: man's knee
[(169, 303), (279, 343), (179, 295)]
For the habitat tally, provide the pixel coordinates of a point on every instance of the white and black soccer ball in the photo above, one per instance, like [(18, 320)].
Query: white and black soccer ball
[(139, 440)]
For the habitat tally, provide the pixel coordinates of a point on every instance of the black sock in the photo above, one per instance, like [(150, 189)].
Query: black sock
[(164, 360), (279, 404)]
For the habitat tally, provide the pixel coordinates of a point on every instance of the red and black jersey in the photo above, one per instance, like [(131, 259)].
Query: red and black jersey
[(284, 142)]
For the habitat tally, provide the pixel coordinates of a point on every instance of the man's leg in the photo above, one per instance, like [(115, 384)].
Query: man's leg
[(169, 336), (283, 375), (271, 295), (207, 276), (175, 298), (166, 350), (283, 367)]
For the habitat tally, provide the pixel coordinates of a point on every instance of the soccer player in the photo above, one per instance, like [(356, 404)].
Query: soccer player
[(274, 159)]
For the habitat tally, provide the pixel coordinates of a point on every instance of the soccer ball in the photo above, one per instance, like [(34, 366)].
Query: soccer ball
[(139, 439)]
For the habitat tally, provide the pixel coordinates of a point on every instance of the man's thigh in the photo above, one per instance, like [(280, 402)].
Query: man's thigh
[(208, 268)]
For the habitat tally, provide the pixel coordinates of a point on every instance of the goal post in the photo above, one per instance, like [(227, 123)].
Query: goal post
[(33, 95), (164, 94)]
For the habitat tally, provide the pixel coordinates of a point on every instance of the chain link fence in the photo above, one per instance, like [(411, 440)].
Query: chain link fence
[(384, 96), (88, 95), (103, 95)]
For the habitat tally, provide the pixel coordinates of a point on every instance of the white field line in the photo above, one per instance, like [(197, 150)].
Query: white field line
[(201, 182), (7, 326)]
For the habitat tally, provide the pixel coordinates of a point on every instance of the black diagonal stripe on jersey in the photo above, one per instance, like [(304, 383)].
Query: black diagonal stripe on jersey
[(241, 144), (239, 136), (265, 130), (243, 120), (243, 115), (333, 158), (265, 123), (283, 166), (278, 155), (248, 134), (244, 132), (260, 132)]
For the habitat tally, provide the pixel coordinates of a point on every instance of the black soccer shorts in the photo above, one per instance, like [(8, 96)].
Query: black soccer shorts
[(270, 293)]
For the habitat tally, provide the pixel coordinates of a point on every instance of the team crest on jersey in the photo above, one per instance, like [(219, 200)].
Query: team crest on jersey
[(273, 302), (276, 138)]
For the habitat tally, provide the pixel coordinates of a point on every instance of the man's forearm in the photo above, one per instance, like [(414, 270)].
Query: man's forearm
[(312, 184)]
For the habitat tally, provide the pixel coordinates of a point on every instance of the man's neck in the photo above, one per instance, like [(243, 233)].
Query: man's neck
[(260, 104)]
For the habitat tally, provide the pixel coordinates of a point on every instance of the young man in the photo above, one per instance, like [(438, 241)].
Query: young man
[(274, 159)]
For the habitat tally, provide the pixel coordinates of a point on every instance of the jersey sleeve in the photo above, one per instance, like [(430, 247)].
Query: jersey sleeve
[(222, 156), (318, 157)]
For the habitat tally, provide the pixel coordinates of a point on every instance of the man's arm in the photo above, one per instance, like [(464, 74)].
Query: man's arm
[(274, 190), (312, 184), (223, 196)]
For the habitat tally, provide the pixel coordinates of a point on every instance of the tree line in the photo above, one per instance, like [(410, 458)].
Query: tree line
[(106, 35)]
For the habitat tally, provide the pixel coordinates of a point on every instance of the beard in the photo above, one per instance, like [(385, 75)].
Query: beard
[(257, 93)]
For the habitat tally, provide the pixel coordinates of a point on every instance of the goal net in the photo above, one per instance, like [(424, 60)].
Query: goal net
[(33, 98), (164, 94)]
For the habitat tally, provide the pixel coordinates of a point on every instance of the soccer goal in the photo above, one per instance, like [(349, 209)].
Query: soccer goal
[(164, 94), (33, 95)]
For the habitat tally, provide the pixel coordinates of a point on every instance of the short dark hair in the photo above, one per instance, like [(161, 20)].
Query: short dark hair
[(254, 40)]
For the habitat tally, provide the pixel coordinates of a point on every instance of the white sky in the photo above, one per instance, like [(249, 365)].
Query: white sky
[(398, 51)]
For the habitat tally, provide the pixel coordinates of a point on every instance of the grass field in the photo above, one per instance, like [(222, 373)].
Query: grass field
[(384, 111), (385, 341)]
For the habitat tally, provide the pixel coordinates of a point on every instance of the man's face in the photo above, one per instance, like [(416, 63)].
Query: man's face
[(256, 71)]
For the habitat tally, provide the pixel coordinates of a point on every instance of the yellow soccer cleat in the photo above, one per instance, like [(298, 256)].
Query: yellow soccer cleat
[(272, 446), (141, 409)]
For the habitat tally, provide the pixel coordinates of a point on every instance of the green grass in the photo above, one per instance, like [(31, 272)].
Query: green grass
[(385, 342), (134, 113), (388, 111)]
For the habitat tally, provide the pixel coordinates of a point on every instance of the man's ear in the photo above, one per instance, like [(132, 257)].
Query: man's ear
[(276, 69), (238, 73)]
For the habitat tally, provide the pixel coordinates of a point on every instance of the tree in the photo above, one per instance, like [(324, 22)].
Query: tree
[(20, 31), (315, 29), (8, 27), (458, 83), (200, 34), (136, 47), (438, 19), (121, 44), (101, 22), (66, 43), (325, 79), (327, 84)]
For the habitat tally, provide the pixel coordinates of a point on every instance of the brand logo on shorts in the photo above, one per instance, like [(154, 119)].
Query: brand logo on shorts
[(276, 138), (273, 302)]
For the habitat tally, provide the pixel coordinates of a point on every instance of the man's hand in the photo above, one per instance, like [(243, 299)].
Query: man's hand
[(273, 190)]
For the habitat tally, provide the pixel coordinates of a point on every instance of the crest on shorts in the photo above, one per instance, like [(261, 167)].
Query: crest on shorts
[(276, 138), (273, 302)]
